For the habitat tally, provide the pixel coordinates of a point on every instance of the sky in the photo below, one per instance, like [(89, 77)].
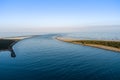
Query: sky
[(55, 15)]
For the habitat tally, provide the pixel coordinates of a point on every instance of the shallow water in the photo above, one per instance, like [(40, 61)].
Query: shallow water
[(44, 58)]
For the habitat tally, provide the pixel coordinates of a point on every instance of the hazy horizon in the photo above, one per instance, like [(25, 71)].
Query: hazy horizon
[(57, 15)]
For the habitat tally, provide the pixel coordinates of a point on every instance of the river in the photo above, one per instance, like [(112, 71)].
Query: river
[(45, 58)]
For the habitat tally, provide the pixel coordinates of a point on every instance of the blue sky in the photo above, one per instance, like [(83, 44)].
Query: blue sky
[(30, 14)]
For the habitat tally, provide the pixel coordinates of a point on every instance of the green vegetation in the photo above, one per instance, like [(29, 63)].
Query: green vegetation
[(103, 44), (115, 44)]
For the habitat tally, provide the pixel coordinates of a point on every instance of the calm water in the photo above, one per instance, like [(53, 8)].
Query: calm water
[(44, 58), (95, 35)]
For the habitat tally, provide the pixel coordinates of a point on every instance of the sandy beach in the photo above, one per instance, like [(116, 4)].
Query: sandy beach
[(87, 43), (16, 38)]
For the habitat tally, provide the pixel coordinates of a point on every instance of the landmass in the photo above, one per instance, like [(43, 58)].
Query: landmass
[(103, 44), (8, 42)]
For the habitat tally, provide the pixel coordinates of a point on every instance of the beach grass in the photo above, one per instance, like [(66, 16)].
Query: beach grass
[(114, 44), (103, 44)]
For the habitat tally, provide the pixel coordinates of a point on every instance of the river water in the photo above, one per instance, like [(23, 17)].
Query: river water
[(45, 58)]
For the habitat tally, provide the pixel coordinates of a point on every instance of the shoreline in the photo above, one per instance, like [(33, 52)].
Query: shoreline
[(93, 43), (7, 42), (16, 38)]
